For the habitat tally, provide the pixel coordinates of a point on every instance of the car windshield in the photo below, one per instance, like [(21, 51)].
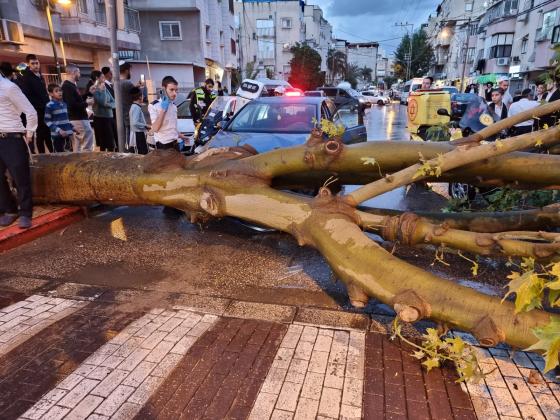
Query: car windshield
[(259, 117), (183, 110), (415, 87), (451, 89)]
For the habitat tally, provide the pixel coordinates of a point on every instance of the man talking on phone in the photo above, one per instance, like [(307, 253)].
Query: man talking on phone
[(14, 154), (163, 113)]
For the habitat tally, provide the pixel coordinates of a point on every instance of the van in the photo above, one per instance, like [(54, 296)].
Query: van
[(410, 86)]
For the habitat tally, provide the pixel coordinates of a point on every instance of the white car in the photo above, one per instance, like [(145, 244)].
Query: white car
[(375, 98)]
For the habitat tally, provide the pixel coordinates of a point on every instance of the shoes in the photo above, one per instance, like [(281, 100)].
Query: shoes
[(24, 222), (7, 219)]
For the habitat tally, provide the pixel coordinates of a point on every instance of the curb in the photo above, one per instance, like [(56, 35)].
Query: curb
[(13, 236)]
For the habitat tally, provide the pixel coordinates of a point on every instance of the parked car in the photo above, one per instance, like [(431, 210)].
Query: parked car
[(316, 93), (376, 97), (269, 123), (270, 85), (450, 89), (343, 96), (185, 123)]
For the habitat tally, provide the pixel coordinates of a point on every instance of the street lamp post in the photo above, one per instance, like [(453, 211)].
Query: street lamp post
[(408, 57), (466, 55), (65, 3), (113, 26)]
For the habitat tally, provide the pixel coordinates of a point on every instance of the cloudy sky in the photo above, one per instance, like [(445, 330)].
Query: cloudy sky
[(374, 20)]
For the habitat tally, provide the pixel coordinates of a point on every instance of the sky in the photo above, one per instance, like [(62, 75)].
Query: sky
[(374, 20)]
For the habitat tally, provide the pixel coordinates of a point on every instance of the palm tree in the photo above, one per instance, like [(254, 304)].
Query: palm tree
[(365, 74), (336, 63), (352, 74)]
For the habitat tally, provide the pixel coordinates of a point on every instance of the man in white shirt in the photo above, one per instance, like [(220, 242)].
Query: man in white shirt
[(507, 99), (524, 104), (163, 113), (14, 154)]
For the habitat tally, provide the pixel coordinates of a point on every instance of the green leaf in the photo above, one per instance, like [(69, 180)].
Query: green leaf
[(549, 342), (456, 345)]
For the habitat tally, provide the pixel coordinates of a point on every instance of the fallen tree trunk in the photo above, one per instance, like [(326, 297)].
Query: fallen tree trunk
[(240, 188)]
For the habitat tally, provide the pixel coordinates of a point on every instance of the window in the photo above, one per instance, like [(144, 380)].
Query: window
[(470, 55), (207, 33), (549, 19), (468, 6), (265, 49), (501, 45), (262, 117), (265, 27), (556, 35), (524, 43), (82, 6), (473, 29), (510, 7), (233, 46), (286, 23), (170, 30)]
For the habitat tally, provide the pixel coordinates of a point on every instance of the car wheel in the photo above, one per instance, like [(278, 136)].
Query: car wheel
[(460, 191), (380, 102)]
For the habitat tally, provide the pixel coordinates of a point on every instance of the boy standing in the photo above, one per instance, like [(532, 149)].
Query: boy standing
[(138, 126), (56, 118)]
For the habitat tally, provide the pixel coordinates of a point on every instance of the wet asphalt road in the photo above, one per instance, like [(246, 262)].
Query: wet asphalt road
[(221, 259)]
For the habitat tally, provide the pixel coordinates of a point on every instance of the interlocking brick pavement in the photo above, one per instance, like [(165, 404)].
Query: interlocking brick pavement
[(317, 372), (119, 377), (220, 375), (36, 365), (21, 320)]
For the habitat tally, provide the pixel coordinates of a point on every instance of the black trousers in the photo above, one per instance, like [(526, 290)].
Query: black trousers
[(104, 134), (524, 129), (141, 144), (14, 158), (43, 136), (165, 146)]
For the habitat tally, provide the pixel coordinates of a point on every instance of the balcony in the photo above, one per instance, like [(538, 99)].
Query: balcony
[(167, 5)]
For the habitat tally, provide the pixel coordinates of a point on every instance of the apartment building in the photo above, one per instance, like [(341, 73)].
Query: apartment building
[(192, 40), (452, 31), (512, 38), (384, 65), (80, 29), (268, 29)]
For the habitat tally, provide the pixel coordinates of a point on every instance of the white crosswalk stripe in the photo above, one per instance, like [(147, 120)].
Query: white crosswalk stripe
[(119, 378), (24, 319), (316, 372)]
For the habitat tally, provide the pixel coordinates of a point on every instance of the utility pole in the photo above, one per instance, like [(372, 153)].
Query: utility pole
[(466, 54), (53, 41), (113, 27), (408, 57)]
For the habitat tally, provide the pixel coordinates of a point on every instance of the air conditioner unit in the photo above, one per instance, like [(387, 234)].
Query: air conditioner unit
[(12, 32), (503, 61)]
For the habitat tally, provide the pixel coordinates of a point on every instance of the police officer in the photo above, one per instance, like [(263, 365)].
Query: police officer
[(14, 153), (201, 99)]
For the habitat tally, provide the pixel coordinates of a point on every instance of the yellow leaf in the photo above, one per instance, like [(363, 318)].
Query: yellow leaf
[(528, 288), (431, 363), (499, 144), (117, 229), (549, 341), (538, 143), (457, 345), (545, 126)]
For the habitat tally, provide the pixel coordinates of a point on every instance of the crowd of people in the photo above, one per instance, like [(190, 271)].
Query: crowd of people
[(36, 117)]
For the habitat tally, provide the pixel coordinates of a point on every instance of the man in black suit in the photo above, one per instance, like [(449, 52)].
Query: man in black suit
[(33, 86), (553, 95)]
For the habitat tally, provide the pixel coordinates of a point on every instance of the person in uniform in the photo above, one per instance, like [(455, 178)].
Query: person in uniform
[(14, 154), (201, 99)]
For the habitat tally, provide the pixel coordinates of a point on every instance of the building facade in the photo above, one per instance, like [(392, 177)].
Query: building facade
[(268, 29), (191, 40), (81, 33), (512, 38)]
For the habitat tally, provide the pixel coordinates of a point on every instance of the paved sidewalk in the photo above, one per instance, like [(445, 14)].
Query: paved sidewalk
[(46, 219), (88, 353)]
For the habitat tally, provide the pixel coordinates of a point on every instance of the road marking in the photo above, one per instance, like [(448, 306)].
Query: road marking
[(24, 319), (316, 372), (119, 378)]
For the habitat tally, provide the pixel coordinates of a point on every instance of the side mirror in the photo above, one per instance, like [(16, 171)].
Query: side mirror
[(443, 112)]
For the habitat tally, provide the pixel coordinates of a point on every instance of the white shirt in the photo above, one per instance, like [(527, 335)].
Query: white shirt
[(507, 99), (521, 105), (549, 96), (12, 104), (168, 132)]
